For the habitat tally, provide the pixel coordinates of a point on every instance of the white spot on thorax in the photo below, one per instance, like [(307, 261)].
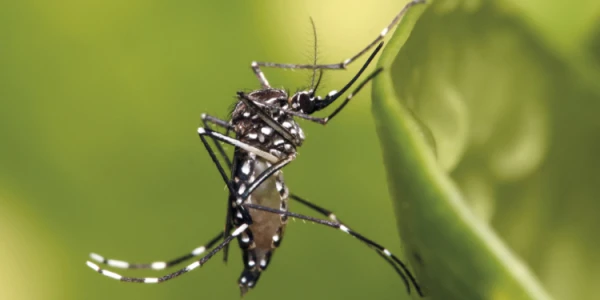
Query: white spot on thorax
[(301, 133), (275, 152), (266, 130), (246, 167)]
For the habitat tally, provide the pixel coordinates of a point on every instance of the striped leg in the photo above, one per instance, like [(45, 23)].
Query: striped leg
[(382, 250), (331, 97), (336, 66), (385, 254), (278, 164), (391, 259), (256, 65), (231, 141), (241, 195), (228, 163), (167, 277), (157, 265), (207, 120)]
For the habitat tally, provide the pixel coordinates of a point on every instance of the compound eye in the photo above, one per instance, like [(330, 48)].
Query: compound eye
[(306, 104)]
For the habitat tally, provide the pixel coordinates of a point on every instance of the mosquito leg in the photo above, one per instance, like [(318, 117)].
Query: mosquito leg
[(351, 95), (223, 138), (342, 65), (216, 161), (260, 75), (325, 212), (245, 216), (277, 163), (167, 277), (331, 216), (241, 197), (207, 120), (383, 251), (332, 96), (326, 120), (262, 177), (157, 265)]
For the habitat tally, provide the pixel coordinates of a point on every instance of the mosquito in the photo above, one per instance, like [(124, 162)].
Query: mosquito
[(265, 140)]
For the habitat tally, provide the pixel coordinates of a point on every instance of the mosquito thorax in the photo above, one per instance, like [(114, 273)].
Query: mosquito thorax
[(250, 128)]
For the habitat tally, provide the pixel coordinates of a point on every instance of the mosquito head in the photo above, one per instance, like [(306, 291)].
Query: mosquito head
[(302, 102), (306, 101)]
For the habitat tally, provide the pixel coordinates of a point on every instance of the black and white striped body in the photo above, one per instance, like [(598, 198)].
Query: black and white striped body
[(265, 232)]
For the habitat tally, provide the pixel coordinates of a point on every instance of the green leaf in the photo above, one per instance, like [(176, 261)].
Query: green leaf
[(462, 111)]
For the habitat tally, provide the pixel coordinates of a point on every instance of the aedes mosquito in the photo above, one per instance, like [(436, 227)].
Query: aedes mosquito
[(266, 138)]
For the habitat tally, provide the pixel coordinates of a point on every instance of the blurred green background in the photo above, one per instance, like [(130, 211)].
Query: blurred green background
[(99, 152)]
